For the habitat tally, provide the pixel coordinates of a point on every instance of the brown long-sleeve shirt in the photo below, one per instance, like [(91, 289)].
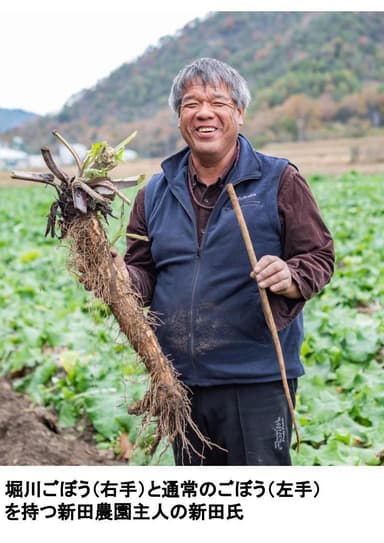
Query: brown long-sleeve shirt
[(307, 243)]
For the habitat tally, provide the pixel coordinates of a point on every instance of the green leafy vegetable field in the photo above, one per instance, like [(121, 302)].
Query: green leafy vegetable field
[(341, 398), (63, 348)]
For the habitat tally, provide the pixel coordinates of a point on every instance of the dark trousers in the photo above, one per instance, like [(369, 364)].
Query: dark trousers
[(250, 422)]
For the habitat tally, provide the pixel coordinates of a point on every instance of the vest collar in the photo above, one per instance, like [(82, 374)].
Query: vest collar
[(248, 166)]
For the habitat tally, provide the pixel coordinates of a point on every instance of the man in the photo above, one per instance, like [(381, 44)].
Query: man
[(195, 272)]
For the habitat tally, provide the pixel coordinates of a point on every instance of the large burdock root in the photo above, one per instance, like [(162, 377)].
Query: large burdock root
[(81, 201), (166, 402)]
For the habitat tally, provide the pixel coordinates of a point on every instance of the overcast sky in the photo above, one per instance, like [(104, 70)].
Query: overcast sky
[(51, 50), (46, 57)]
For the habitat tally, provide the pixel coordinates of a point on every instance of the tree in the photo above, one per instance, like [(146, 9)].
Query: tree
[(299, 112)]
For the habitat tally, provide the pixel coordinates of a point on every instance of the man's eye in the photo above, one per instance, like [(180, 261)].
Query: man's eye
[(219, 104), (190, 105)]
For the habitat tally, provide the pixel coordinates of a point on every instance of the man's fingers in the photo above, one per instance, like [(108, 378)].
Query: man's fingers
[(281, 286), (275, 279), (268, 267), (272, 272), (265, 261)]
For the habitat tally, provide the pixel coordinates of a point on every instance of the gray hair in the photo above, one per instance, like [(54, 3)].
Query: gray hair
[(209, 71)]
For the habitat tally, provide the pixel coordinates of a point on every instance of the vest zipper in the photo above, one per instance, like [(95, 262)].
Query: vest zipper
[(194, 283), (223, 192), (192, 312)]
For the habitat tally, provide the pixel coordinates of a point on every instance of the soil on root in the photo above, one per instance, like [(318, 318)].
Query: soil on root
[(31, 435)]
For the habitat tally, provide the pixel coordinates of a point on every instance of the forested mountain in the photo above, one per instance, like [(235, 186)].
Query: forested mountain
[(11, 118), (311, 75)]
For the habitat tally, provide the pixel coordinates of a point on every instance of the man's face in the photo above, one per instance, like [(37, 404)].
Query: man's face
[(209, 121)]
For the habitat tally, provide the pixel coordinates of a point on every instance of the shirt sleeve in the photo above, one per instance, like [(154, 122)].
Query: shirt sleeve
[(138, 257), (307, 245)]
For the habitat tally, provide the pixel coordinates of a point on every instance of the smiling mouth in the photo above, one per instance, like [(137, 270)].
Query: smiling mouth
[(205, 129)]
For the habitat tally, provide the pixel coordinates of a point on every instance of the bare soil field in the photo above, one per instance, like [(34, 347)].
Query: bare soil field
[(328, 157), (333, 157), (30, 435)]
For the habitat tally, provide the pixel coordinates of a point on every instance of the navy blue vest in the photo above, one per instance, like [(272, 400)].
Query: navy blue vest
[(212, 325)]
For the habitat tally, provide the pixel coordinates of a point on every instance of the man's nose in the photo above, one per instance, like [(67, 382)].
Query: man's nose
[(205, 110)]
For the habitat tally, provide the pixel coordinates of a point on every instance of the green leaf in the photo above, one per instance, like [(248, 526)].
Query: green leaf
[(105, 409), (29, 256), (68, 415), (121, 146)]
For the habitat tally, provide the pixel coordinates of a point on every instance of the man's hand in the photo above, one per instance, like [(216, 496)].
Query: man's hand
[(272, 272)]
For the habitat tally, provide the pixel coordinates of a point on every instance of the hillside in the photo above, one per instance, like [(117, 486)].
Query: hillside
[(311, 75), (12, 118)]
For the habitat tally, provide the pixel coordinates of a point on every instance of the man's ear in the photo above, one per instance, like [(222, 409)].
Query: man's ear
[(240, 116)]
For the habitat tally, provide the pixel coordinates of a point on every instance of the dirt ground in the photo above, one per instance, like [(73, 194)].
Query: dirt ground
[(327, 157), (30, 436)]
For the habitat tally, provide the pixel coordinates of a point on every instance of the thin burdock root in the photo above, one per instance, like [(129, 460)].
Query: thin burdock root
[(266, 308), (82, 201)]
